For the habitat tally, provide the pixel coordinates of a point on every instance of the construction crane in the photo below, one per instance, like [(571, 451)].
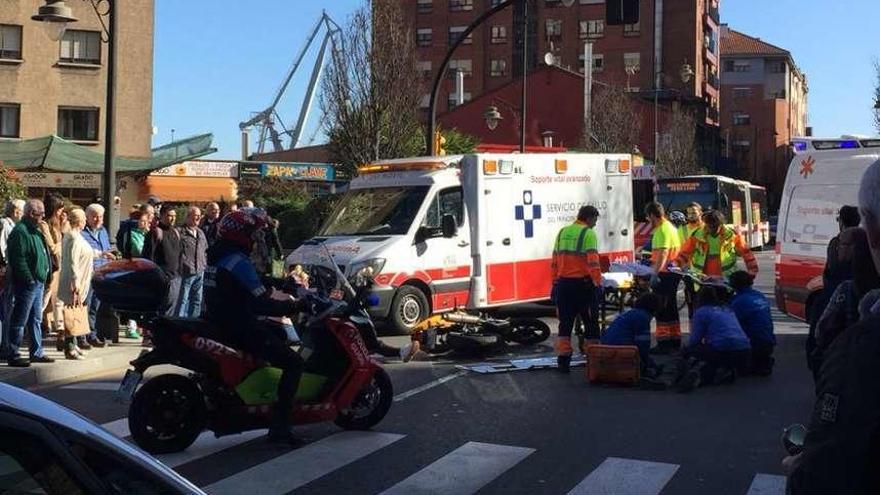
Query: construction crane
[(268, 121)]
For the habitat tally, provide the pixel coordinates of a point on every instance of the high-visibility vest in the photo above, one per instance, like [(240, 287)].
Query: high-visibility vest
[(723, 244), (687, 230), (576, 252)]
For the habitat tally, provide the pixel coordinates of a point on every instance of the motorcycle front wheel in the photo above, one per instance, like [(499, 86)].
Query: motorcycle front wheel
[(528, 331), (167, 414), (371, 404)]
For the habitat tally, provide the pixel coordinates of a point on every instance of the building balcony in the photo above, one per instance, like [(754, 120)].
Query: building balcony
[(713, 13)]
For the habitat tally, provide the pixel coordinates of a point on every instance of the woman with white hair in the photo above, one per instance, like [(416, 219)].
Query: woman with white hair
[(76, 273), (11, 216)]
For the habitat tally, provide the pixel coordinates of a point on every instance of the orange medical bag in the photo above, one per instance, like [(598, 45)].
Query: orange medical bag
[(613, 364)]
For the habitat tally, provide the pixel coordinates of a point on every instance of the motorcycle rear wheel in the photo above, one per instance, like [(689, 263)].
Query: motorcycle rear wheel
[(529, 331), (167, 414), (370, 406)]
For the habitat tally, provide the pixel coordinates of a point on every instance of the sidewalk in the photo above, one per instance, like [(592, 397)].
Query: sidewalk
[(96, 361)]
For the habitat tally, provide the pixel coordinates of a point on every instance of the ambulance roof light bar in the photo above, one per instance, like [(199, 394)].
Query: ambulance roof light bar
[(375, 168), (801, 145)]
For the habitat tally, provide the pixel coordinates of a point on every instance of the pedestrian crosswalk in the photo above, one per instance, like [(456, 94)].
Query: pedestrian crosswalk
[(464, 470)]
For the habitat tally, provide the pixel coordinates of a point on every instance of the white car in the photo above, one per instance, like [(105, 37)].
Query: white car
[(47, 448)]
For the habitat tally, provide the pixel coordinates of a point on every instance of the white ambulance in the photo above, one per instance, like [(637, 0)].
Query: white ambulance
[(823, 176), (473, 231)]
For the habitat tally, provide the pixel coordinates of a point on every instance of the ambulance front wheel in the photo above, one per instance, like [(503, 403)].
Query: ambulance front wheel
[(408, 308)]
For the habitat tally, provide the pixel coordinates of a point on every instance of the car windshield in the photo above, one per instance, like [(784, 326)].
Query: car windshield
[(376, 211)]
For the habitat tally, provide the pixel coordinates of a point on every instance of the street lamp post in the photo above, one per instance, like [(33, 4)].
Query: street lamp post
[(56, 15), (441, 72)]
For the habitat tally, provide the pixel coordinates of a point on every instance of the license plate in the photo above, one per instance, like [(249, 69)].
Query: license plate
[(129, 384)]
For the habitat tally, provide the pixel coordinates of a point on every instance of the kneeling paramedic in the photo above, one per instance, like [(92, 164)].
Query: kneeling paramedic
[(577, 274), (752, 309), (236, 298), (633, 328)]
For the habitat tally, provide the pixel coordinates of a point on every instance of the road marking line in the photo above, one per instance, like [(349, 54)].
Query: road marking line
[(207, 444), (626, 477), (290, 471), (462, 471), (108, 386), (767, 484), (440, 381)]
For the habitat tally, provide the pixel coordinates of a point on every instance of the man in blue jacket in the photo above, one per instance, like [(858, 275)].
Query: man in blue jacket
[(96, 235), (633, 328), (752, 309)]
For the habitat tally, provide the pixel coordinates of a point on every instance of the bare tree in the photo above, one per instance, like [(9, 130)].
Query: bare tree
[(615, 123), (371, 93), (677, 155), (877, 95)]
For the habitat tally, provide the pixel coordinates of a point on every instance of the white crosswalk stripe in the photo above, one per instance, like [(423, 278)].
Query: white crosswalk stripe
[(767, 484), (617, 476), (294, 469), (463, 471)]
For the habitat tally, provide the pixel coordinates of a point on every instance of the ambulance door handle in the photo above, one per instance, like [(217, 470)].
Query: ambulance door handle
[(506, 241), (624, 232), (463, 244)]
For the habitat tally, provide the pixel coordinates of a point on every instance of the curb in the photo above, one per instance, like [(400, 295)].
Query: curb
[(38, 375)]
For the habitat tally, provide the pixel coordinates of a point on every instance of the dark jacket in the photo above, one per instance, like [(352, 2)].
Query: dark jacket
[(632, 328), (163, 247), (124, 227), (210, 228), (842, 449), (235, 295), (193, 251), (718, 328), (27, 254)]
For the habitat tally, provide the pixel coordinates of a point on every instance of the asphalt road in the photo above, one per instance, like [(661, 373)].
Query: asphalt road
[(451, 432)]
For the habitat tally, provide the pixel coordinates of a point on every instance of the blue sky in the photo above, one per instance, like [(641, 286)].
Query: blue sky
[(216, 62)]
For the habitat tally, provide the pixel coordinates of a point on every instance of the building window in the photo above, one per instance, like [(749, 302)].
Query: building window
[(777, 67), (10, 42), (740, 93), (424, 37), (498, 68), (499, 34), (78, 124), (737, 66), (592, 29), (9, 120), (465, 65), (740, 118), (425, 6), (81, 47), (632, 61), (632, 29), (425, 68), (461, 5), (553, 27), (455, 34), (453, 99), (598, 63)]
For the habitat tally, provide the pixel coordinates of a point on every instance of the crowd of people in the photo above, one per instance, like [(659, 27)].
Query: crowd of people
[(49, 251)]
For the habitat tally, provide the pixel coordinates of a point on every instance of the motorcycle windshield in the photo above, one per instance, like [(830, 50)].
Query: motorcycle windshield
[(321, 270)]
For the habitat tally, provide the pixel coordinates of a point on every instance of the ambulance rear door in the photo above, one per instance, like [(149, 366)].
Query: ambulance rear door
[(616, 223)]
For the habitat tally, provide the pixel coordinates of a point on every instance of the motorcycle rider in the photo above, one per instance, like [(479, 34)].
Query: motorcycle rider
[(235, 298)]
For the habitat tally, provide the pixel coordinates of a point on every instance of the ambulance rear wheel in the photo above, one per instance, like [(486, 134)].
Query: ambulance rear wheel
[(408, 308)]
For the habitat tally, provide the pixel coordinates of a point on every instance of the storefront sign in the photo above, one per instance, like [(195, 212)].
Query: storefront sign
[(299, 171), (200, 169), (253, 170), (49, 179)]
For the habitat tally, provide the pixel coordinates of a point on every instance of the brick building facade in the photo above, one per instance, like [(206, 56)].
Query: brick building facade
[(687, 34), (764, 97)]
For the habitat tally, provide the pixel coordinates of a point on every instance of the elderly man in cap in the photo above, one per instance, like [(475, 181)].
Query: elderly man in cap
[(841, 453)]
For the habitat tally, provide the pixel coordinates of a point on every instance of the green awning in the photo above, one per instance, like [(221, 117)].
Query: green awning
[(52, 153)]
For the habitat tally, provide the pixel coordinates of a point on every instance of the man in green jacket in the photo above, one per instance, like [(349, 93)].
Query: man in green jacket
[(27, 273)]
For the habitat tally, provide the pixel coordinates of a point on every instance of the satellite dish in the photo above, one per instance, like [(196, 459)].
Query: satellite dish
[(155, 130), (549, 59)]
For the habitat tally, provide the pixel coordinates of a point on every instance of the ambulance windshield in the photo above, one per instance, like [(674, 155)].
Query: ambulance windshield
[(376, 211)]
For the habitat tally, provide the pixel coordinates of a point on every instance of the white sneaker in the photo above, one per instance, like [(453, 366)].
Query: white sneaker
[(409, 350)]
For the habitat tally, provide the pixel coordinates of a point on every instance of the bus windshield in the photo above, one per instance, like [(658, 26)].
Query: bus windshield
[(678, 201), (376, 211)]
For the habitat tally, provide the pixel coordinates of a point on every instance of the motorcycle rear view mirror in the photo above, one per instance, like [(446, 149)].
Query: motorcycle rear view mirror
[(793, 438)]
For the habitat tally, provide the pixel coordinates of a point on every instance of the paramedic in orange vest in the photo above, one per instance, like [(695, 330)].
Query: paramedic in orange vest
[(665, 245), (577, 274), (712, 250)]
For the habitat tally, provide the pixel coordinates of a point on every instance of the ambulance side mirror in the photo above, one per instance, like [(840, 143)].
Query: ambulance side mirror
[(448, 226)]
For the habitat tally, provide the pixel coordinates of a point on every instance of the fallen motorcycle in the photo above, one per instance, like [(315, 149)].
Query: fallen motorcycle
[(463, 332)]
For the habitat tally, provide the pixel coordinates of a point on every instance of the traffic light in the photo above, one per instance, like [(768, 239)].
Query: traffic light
[(619, 12), (439, 143)]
